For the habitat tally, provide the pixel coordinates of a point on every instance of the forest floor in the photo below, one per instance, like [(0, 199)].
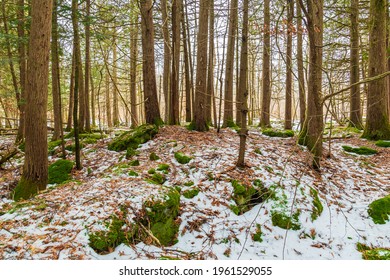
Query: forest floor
[(57, 223)]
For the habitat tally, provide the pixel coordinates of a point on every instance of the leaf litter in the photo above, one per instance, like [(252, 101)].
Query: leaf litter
[(56, 224)]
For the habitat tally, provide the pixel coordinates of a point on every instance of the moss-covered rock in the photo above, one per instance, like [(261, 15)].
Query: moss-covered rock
[(132, 173), (163, 167), (317, 205), (134, 162), (72, 147), (379, 210), (157, 178), (277, 133), (246, 197), (132, 139), (182, 158), (52, 145), (189, 194), (59, 171), (360, 151), (383, 143), (370, 253), (284, 221), (153, 156), (188, 184)]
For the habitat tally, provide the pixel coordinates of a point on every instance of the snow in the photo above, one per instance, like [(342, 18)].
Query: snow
[(208, 229)]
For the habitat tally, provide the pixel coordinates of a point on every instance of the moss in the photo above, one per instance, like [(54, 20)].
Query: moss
[(231, 124), (383, 143), (27, 189), (157, 178), (189, 184), (163, 167), (130, 152), (257, 235), (191, 126), (162, 214), (182, 158), (89, 141), (52, 145), (133, 173), (360, 151), (246, 197), (379, 210), (258, 151), (317, 205), (59, 171), (151, 171), (72, 147), (132, 139), (283, 221), (153, 156), (22, 146), (191, 193), (370, 253), (275, 133), (134, 162)]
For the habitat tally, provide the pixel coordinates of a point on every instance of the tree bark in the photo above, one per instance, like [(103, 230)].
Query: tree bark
[(35, 168), (311, 133), (301, 72), (288, 104), (152, 111), (87, 66), (167, 58), (71, 97), (243, 87), (228, 102), (187, 66), (115, 107), (266, 97), (355, 118), (377, 123), (133, 71), (210, 70), (200, 122)]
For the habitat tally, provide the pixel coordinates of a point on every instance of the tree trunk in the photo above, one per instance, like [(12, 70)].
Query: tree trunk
[(243, 87), (311, 133), (377, 124), (228, 102), (35, 169), (355, 118), (301, 73), (108, 101), (87, 66), (200, 122), (187, 71), (210, 70), (167, 58), (115, 107), (133, 72), (152, 111), (266, 97), (175, 73), (55, 76), (22, 69), (71, 92), (288, 104)]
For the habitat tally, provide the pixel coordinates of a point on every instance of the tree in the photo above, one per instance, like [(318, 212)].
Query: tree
[(35, 168), (266, 96), (311, 133), (228, 102), (87, 65), (288, 107), (301, 75), (377, 123), (115, 107), (199, 122), (152, 111), (243, 86), (133, 67), (355, 118), (210, 69)]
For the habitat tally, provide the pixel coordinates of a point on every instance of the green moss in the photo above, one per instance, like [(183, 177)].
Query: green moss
[(134, 162), (157, 178), (383, 143), (317, 205), (182, 158), (258, 151), (72, 147), (89, 141), (151, 171), (52, 145), (133, 173), (283, 221), (257, 235), (22, 146), (246, 197), (275, 133), (191, 193), (153, 156), (132, 139), (231, 124), (191, 126), (360, 151), (163, 167), (26, 189), (59, 171), (189, 184), (379, 210), (370, 253), (130, 152)]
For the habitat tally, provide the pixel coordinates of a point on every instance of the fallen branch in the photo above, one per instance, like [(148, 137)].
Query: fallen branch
[(7, 156)]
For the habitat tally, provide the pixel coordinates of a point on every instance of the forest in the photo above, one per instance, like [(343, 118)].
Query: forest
[(195, 129)]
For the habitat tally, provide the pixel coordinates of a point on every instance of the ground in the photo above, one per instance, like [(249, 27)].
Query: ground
[(57, 223)]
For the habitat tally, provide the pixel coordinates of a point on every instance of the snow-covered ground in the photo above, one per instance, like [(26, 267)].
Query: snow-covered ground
[(56, 223)]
